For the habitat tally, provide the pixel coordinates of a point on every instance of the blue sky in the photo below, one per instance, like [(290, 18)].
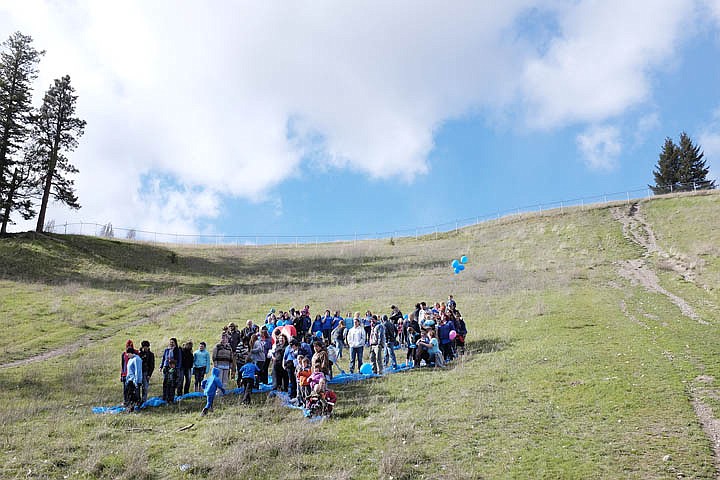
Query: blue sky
[(329, 118)]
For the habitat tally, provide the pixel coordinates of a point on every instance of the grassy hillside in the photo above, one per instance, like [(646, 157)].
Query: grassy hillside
[(593, 352)]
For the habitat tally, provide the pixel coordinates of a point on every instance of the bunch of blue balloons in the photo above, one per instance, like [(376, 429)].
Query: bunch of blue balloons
[(459, 266)]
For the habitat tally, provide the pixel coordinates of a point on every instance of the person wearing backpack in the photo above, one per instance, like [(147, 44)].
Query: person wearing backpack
[(390, 341)]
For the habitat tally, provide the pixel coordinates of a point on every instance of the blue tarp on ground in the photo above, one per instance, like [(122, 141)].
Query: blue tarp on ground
[(339, 379)]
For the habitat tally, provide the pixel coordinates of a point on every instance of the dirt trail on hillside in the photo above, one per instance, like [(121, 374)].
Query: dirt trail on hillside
[(639, 272), (83, 341)]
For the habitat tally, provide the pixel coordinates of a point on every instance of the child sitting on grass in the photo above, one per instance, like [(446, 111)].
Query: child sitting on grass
[(210, 387), (170, 378), (321, 401)]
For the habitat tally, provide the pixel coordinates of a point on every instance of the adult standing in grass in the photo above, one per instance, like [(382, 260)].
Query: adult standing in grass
[(133, 379), (222, 357), (320, 359), (327, 326), (148, 367), (257, 355), (280, 380), (338, 336), (443, 332), (267, 346), (124, 360), (377, 344), (185, 372), (201, 365), (234, 338), (172, 352), (356, 342), (390, 341)]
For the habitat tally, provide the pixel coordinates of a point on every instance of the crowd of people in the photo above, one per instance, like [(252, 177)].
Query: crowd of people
[(297, 353)]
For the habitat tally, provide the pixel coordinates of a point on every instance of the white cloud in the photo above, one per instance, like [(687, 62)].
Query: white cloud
[(600, 147), (228, 100), (709, 141), (599, 65)]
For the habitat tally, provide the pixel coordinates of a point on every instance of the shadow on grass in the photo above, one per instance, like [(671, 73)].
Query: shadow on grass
[(59, 259), (487, 345)]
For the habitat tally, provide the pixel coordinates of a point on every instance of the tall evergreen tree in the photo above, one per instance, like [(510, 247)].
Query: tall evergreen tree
[(693, 171), (18, 69), (57, 131), (22, 189), (667, 173), (681, 167)]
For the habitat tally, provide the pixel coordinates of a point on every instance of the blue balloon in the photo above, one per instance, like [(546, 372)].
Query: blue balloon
[(463, 259), (455, 263), (366, 369), (461, 267), (456, 270), (318, 334)]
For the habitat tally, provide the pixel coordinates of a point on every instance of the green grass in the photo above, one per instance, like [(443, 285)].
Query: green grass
[(572, 372)]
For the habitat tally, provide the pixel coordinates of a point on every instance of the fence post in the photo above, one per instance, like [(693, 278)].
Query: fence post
[(416, 234), (628, 197), (604, 198), (561, 208), (648, 193), (694, 187), (582, 204)]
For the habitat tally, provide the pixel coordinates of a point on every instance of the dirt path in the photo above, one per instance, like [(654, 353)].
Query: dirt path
[(82, 341), (639, 272)]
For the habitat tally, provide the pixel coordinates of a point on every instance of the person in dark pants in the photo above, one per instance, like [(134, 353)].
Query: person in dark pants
[(248, 374), (185, 368), (148, 364)]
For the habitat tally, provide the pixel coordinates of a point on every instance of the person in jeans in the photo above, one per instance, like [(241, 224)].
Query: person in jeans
[(377, 344), (201, 365), (356, 343)]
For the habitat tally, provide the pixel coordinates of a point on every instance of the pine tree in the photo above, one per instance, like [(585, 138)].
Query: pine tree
[(18, 69), (693, 171), (22, 189), (56, 131), (681, 167), (667, 170)]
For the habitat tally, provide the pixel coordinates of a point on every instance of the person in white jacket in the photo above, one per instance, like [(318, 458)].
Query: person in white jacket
[(356, 341)]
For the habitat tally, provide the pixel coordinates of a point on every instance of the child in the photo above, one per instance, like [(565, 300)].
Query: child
[(248, 374), (303, 379), (210, 387), (411, 341), (322, 400), (170, 377)]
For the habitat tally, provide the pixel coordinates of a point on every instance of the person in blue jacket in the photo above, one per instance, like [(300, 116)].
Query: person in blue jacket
[(317, 326), (210, 387), (201, 365), (327, 326), (248, 374), (443, 330)]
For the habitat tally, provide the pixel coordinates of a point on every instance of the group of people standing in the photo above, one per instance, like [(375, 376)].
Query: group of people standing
[(297, 352)]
